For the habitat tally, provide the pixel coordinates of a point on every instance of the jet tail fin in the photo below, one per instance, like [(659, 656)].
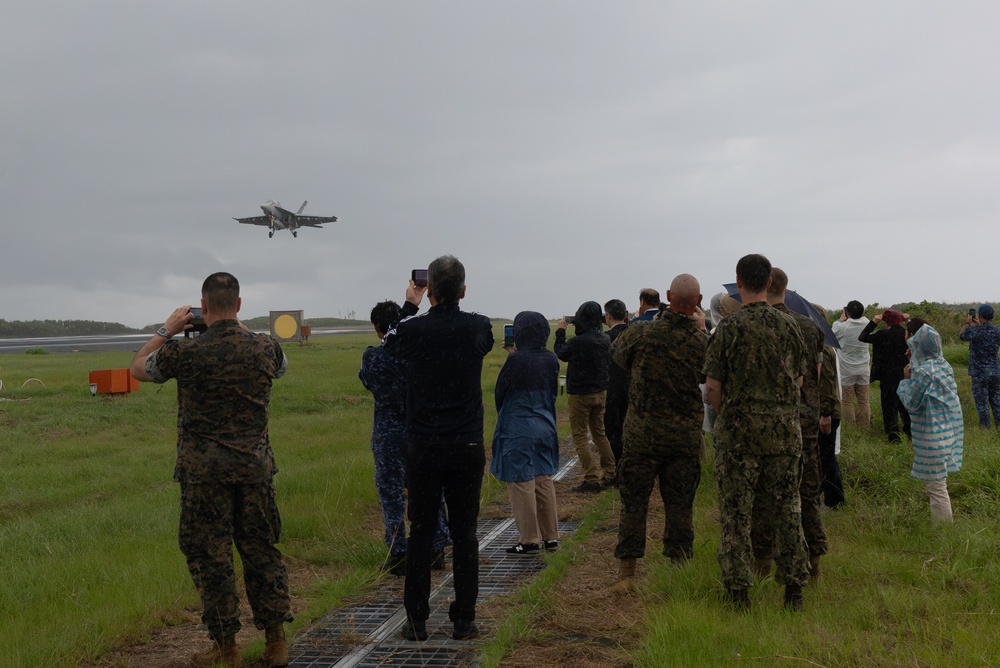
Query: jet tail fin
[(302, 207)]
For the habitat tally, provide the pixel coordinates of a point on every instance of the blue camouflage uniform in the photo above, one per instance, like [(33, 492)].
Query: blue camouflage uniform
[(384, 377), (984, 367)]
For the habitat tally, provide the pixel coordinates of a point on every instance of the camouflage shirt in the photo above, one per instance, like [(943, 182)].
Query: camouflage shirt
[(829, 385), (812, 335), (757, 354), (664, 359), (223, 391)]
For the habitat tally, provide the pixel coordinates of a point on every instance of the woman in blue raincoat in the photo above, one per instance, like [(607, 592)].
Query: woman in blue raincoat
[(525, 441), (930, 394)]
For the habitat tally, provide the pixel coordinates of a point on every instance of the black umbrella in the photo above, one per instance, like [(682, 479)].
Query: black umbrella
[(796, 302)]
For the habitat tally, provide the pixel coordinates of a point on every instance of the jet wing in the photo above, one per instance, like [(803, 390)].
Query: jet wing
[(314, 221), (254, 220)]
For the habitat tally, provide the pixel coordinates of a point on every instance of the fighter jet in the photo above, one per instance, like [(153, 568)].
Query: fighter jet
[(282, 219)]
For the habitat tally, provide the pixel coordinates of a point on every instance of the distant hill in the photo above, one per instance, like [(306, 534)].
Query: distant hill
[(29, 329)]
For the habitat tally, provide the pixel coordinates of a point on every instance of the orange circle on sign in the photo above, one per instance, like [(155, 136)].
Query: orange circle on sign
[(285, 326)]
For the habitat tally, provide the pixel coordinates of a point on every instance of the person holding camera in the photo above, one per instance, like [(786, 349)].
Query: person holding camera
[(225, 466), (984, 365), (443, 351), (662, 436), (889, 356), (385, 378), (853, 360), (525, 440), (588, 361)]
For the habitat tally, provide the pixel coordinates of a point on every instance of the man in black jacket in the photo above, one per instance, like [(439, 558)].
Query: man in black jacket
[(444, 350), (588, 358)]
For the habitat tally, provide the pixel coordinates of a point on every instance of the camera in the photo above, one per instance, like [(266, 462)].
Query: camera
[(419, 277), (508, 336), (570, 320), (972, 313), (197, 323)]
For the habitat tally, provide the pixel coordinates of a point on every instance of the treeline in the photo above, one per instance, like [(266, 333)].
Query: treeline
[(30, 329)]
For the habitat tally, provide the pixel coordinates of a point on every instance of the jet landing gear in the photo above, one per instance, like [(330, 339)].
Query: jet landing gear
[(295, 234), (270, 234)]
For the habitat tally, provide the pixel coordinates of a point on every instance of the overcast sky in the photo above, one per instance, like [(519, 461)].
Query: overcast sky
[(564, 151)]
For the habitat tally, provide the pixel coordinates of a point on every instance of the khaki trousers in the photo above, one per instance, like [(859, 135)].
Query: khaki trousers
[(937, 493), (863, 417), (534, 505), (586, 411)]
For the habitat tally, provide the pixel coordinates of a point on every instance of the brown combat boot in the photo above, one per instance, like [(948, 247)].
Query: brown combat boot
[(276, 647), (793, 597), (626, 577), (222, 653)]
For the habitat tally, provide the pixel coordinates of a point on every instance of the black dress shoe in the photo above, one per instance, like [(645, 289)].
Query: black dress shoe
[(465, 630), (414, 629)]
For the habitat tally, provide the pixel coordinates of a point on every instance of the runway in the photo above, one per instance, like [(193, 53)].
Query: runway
[(106, 343)]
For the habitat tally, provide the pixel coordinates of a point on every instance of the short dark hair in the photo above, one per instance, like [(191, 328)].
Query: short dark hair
[(754, 272), (446, 278), (384, 314), (649, 297), (221, 291), (855, 309), (616, 309), (914, 324)]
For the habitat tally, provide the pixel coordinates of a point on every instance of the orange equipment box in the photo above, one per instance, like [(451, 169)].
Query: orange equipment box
[(114, 381)]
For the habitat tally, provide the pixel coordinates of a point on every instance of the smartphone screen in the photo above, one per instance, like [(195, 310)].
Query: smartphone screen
[(508, 336), (419, 277)]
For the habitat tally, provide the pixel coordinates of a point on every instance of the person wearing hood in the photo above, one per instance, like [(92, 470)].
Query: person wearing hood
[(588, 362), (525, 440), (929, 393), (888, 360)]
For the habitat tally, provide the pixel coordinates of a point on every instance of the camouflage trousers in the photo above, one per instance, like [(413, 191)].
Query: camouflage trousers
[(213, 518), (389, 454), (810, 493), (678, 477), (771, 483)]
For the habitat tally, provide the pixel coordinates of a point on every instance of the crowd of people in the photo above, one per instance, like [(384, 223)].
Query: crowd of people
[(765, 381)]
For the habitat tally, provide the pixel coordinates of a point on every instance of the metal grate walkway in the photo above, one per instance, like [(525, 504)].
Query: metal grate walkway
[(367, 635)]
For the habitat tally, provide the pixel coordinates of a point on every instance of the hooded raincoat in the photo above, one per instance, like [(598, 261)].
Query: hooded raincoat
[(525, 441), (931, 397)]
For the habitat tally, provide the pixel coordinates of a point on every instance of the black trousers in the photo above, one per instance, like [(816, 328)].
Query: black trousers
[(833, 482), (892, 410), (457, 472)]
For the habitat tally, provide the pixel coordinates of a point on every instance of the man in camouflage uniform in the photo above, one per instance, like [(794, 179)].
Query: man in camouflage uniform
[(754, 366), (811, 482), (662, 433), (225, 466)]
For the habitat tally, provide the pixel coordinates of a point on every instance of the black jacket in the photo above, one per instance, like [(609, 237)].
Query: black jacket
[(588, 359), (444, 350), (888, 351)]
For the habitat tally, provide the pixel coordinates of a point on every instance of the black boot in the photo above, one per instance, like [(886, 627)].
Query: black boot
[(793, 597)]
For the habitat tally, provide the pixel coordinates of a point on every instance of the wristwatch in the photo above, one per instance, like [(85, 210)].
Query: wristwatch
[(165, 333)]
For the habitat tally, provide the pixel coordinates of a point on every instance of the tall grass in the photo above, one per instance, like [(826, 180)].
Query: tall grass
[(88, 509), (895, 590)]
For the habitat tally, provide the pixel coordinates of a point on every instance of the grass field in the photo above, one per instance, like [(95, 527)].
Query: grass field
[(88, 521)]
